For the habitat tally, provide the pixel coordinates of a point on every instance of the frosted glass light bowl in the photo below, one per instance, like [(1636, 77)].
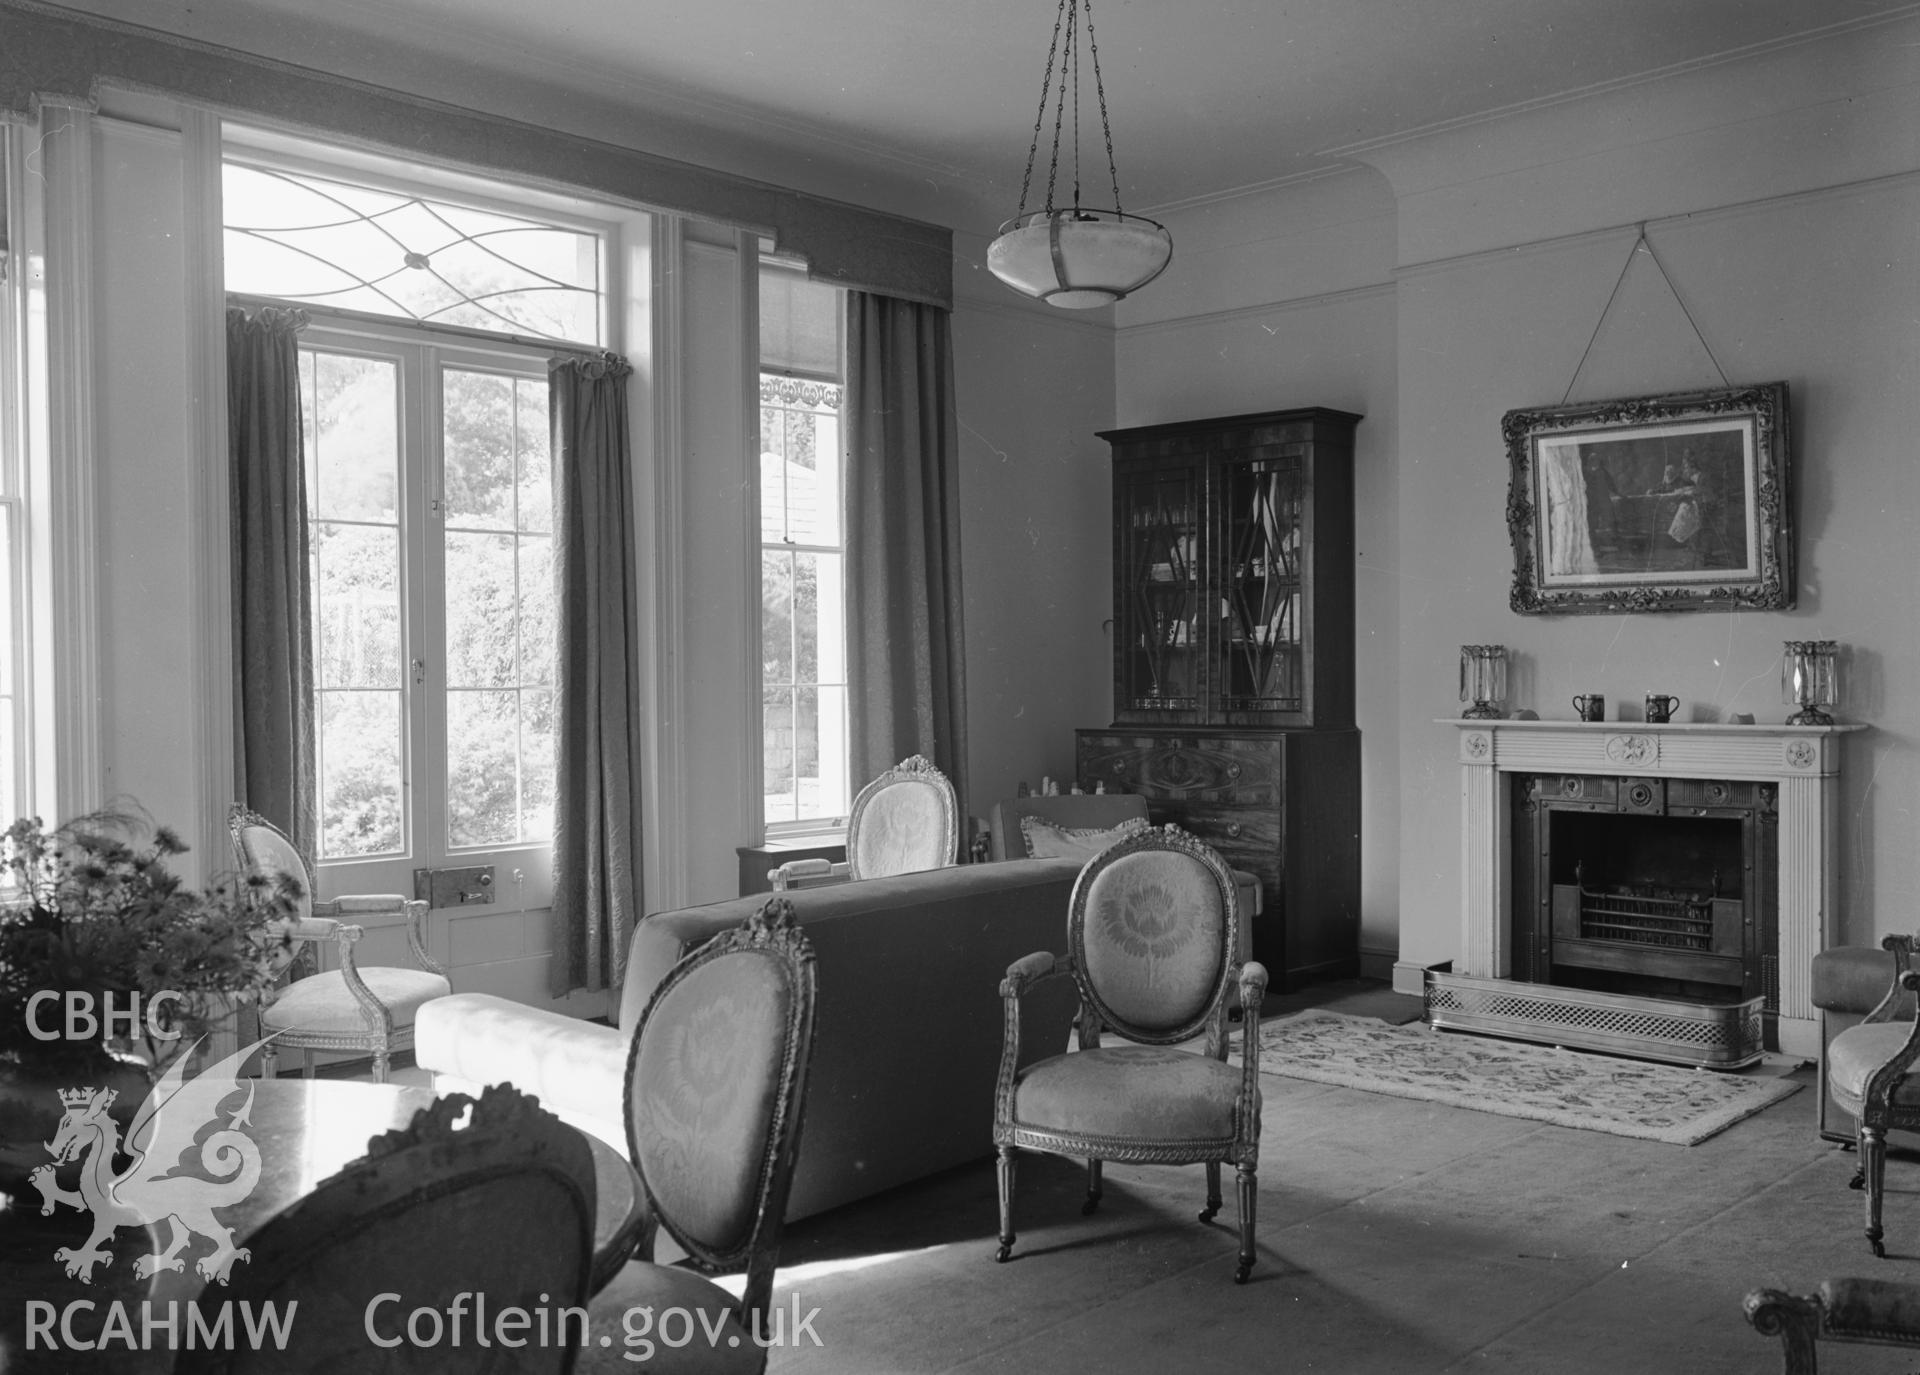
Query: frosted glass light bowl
[(1078, 259)]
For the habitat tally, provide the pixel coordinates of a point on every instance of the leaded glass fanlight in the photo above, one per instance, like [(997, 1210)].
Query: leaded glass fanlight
[(320, 241)]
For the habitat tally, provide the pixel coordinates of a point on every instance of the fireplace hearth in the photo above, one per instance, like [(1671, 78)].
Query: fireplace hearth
[(1648, 889)]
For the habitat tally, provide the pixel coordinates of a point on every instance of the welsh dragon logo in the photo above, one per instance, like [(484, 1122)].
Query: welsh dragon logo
[(147, 1191)]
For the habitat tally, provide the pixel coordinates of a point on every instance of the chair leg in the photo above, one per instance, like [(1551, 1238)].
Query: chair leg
[(1213, 1192), (380, 1064), (1873, 1160), (1244, 1180), (1093, 1188), (306, 1064), (269, 1062), (1004, 1168)]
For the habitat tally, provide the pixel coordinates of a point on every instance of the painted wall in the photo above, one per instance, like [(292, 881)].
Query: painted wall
[(1781, 198), (144, 574), (1781, 195), (1034, 387), (1285, 299)]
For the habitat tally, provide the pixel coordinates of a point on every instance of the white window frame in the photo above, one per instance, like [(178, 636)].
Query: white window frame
[(806, 828), (421, 352)]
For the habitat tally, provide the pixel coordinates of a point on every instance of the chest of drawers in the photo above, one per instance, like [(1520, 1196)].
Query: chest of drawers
[(1281, 804)]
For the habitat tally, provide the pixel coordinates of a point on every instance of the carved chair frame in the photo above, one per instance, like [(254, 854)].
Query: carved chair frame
[(507, 1133), (772, 933), (1242, 1149), (381, 1037), (914, 769), (1846, 1310), (1879, 1110)]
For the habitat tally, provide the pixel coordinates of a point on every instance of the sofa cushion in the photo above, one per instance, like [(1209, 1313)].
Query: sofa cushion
[(577, 1069), (1045, 840), (1144, 1093)]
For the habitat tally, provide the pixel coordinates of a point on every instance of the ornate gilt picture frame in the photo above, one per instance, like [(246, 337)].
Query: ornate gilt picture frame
[(1677, 502)]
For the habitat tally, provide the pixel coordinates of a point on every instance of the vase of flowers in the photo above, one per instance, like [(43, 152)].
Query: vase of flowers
[(93, 920)]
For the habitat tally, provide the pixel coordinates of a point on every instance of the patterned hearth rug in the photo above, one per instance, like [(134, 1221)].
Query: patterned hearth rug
[(1600, 1093)]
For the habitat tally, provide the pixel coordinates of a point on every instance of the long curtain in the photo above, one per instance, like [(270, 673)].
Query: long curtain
[(272, 626), (905, 645), (596, 829)]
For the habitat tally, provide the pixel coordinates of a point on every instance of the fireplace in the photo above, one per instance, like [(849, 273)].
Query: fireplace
[(1663, 888), (1657, 890)]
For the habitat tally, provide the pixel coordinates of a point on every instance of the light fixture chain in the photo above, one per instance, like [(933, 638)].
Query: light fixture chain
[(1073, 51), (1100, 90), (1040, 117), (1072, 8)]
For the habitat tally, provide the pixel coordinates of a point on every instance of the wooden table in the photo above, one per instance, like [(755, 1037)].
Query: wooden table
[(307, 1131)]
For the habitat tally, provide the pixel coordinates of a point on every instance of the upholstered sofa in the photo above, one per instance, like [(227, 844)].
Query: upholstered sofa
[(907, 1028)]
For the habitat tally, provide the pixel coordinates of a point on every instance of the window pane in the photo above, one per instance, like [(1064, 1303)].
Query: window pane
[(536, 765), (827, 465), (535, 469), (834, 796), (353, 446), (806, 751), (478, 413), (482, 611), (806, 618), (773, 496), (831, 605), (309, 238), (360, 774), (776, 760), (536, 609), (483, 782), (356, 605), (776, 617)]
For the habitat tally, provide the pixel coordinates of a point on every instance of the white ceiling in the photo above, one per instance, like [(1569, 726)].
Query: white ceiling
[(928, 108)]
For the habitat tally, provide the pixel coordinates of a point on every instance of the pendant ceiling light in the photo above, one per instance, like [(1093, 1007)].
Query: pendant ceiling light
[(1071, 255)]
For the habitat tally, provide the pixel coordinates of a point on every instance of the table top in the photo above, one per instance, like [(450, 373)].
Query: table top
[(307, 1131)]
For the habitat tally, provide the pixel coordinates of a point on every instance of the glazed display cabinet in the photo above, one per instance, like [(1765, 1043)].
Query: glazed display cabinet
[(1233, 663)]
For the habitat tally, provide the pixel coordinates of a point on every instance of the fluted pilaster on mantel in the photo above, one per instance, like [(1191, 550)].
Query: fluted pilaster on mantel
[(1803, 760)]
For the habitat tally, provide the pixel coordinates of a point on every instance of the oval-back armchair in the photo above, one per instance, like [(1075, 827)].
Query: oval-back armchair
[(1151, 933)]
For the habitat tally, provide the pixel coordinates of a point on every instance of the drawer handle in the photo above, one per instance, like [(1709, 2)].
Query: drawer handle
[(1119, 768), (1233, 830), (1233, 771)]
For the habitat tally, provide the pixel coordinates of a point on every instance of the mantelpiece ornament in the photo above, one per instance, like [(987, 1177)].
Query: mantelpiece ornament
[(1802, 754), (1476, 744), (1637, 751)]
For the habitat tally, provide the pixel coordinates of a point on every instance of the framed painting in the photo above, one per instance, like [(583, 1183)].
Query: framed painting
[(1658, 503)]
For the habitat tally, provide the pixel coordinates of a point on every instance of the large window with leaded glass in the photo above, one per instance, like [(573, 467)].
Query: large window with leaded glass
[(423, 375), (803, 665)]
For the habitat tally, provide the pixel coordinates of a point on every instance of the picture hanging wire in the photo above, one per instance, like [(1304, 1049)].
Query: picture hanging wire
[(1639, 241)]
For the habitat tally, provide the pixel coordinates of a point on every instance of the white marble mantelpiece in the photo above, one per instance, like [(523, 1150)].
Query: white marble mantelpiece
[(1804, 761)]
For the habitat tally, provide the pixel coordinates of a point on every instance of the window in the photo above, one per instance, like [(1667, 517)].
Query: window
[(429, 503), (429, 495), (317, 240), (803, 674)]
